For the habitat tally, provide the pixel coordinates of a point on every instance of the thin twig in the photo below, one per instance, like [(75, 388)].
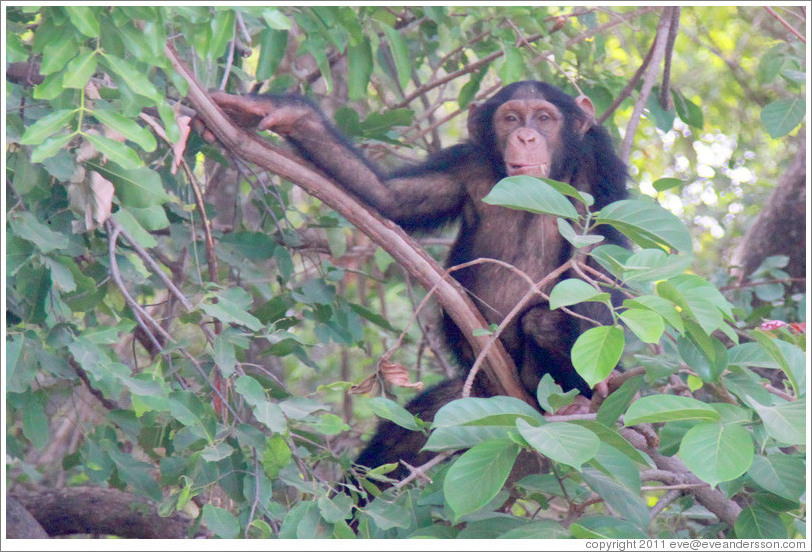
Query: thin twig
[(658, 51), (784, 23)]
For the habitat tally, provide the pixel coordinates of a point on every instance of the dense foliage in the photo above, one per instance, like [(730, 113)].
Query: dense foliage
[(189, 329)]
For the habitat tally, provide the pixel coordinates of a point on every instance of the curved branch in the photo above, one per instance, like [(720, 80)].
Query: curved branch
[(388, 235)]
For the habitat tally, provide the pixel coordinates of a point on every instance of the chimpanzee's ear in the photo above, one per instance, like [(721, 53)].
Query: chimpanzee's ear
[(588, 108), (475, 122)]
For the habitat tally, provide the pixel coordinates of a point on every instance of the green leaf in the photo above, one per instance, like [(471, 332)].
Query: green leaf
[(79, 70), (755, 522), (34, 419), (277, 455), (688, 112), (273, 43), (538, 529), (596, 353), (129, 128), (646, 223), (400, 54), (617, 402), (717, 452), (270, 414), (49, 148), (550, 395), (526, 193), (501, 410), (61, 48), (190, 411), (27, 227), (222, 30), (780, 474), (221, 522), (390, 410), (478, 475), (577, 240), (611, 257), (770, 345), (276, 19), (663, 184), (139, 187), (151, 218), (667, 408), (629, 505), (84, 19), (647, 325), (612, 438), (786, 423), (469, 90), (562, 442), (215, 453), (134, 228), (47, 126), (650, 265), (512, 64), (360, 65), (224, 354), (230, 306), (605, 527), (115, 151), (572, 291), (782, 116), (251, 390), (136, 80), (335, 509), (698, 299), (461, 437), (663, 307)]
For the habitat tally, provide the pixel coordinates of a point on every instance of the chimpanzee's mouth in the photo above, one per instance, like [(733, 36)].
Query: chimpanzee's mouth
[(515, 169)]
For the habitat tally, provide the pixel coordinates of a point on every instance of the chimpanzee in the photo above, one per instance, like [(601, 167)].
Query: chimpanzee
[(527, 128)]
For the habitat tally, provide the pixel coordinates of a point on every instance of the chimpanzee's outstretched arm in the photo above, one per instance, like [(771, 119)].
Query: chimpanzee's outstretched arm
[(424, 197)]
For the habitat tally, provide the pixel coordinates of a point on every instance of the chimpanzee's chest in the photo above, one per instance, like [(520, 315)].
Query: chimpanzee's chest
[(527, 246)]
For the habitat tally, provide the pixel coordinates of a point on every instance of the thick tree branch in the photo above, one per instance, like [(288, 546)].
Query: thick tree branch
[(388, 235), (100, 511)]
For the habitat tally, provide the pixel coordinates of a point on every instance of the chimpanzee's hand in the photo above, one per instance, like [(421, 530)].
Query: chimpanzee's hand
[(279, 115)]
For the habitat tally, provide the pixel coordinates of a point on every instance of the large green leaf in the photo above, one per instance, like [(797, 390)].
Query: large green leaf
[(786, 423), (400, 54), (526, 193), (646, 223), (230, 306), (47, 126), (127, 127), (493, 411), (717, 452), (115, 151), (390, 410), (782, 116), (781, 474), (647, 325), (562, 442), (80, 69), (478, 475), (596, 353), (667, 408), (572, 291), (26, 226), (221, 522), (756, 522)]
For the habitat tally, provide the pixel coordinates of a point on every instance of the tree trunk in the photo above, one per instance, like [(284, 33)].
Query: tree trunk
[(780, 228)]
